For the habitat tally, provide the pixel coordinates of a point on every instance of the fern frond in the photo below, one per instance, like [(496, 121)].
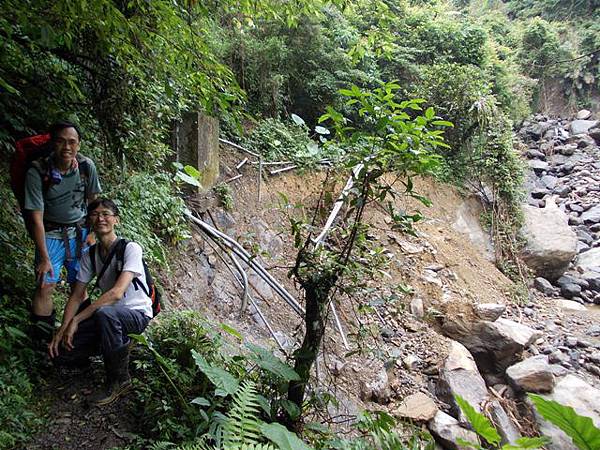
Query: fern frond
[(243, 426), (252, 447), (162, 445)]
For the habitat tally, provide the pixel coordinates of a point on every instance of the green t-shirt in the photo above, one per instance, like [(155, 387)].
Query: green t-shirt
[(64, 202)]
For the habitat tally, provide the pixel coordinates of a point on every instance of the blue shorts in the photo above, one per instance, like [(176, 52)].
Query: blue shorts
[(58, 257)]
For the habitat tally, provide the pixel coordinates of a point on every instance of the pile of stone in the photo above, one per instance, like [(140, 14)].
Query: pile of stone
[(562, 215)]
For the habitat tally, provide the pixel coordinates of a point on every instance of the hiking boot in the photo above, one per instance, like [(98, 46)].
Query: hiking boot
[(118, 381)]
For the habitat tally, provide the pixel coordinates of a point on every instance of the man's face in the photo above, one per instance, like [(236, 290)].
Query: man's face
[(102, 220), (66, 145)]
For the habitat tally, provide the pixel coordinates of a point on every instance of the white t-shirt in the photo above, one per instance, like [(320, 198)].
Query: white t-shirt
[(132, 262)]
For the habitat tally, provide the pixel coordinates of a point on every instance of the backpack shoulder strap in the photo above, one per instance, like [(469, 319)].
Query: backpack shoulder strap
[(92, 253), (120, 254), (84, 165), (109, 258)]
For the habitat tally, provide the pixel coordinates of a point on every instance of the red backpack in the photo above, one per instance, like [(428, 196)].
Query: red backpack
[(27, 150)]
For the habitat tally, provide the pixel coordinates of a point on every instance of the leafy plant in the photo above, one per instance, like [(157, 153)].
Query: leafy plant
[(585, 435), (223, 193), (484, 428)]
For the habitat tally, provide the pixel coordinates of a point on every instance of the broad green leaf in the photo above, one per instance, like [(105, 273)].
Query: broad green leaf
[(443, 123), (467, 444), (231, 331), (585, 435), (282, 437), (481, 425), (192, 172), (225, 383), (181, 176), (291, 408), (200, 401), (527, 443), (269, 362), (298, 120), (429, 113)]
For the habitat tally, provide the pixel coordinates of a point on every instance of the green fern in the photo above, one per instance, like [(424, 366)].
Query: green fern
[(252, 447), (243, 425)]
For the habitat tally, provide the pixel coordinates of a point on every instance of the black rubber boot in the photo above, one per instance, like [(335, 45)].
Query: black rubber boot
[(42, 328), (118, 381)]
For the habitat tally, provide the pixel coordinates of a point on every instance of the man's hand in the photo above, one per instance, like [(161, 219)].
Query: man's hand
[(69, 333), (55, 343), (43, 267)]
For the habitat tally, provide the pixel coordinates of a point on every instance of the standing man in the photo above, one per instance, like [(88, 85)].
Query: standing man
[(57, 191)]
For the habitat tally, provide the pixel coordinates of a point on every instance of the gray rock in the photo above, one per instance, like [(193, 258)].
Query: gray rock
[(539, 193), (567, 150), (498, 343), (417, 407), (562, 191), (557, 357), (594, 330), (592, 215), (595, 134), (377, 389), (537, 130), (459, 375), (505, 426), (489, 311), (550, 242), (589, 260), (416, 308), (585, 237), (549, 181), (447, 431), (584, 114), (532, 375), (582, 126), (570, 305), (535, 154), (544, 286), (582, 397), (538, 166)]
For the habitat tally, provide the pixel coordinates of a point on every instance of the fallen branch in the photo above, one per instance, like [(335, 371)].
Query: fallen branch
[(241, 164), (237, 177), (337, 206), (285, 169), (239, 147)]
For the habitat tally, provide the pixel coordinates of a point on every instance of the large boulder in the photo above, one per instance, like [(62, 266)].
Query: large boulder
[(550, 242), (582, 126), (495, 345), (579, 395), (532, 375), (459, 375)]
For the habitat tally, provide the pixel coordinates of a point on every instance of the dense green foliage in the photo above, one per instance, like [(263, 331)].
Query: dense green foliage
[(197, 385)]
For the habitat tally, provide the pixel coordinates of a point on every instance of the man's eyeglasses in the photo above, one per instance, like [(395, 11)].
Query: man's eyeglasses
[(104, 215), (71, 142)]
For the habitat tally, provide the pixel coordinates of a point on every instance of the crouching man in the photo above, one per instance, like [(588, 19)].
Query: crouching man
[(102, 327)]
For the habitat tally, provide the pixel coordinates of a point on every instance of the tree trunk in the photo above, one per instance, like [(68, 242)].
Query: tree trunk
[(317, 300)]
